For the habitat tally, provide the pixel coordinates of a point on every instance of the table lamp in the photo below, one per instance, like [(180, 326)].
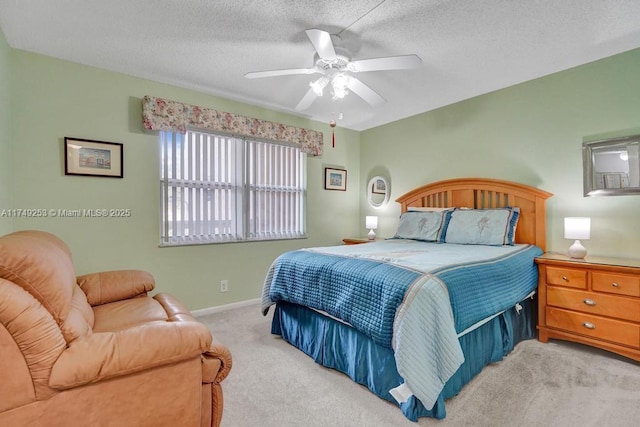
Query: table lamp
[(578, 228), (371, 222)]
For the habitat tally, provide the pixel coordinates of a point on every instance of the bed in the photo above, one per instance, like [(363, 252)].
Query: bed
[(414, 318)]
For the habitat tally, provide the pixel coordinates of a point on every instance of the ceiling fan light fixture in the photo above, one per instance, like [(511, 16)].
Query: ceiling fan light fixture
[(339, 83), (319, 85)]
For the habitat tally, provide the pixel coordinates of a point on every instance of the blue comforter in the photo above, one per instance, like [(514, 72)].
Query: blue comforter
[(411, 296), (361, 292)]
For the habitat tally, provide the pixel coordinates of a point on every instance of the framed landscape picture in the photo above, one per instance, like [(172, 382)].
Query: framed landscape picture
[(335, 179), (379, 187), (92, 158)]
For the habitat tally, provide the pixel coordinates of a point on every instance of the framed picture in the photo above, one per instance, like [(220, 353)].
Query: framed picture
[(379, 187), (335, 179), (92, 158)]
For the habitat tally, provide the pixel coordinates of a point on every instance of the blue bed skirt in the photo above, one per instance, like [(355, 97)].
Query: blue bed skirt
[(336, 345)]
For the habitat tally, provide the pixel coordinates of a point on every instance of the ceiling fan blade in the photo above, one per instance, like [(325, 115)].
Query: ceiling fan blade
[(321, 41), (365, 92), (403, 62), (306, 100), (275, 73)]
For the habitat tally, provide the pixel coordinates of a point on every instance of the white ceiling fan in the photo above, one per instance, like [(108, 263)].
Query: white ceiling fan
[(336, 68)]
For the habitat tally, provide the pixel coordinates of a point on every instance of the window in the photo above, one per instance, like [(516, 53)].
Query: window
[(221, 188)]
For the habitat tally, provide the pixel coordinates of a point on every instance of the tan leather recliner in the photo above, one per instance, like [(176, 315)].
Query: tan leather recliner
[(96, 350)]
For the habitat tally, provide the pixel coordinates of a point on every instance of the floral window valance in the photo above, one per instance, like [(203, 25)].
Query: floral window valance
[(162, 114)]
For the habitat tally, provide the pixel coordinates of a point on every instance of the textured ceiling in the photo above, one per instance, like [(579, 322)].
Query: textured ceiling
[(468, 47)]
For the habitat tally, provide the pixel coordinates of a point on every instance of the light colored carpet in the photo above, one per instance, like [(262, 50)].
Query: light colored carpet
[(553, 384)]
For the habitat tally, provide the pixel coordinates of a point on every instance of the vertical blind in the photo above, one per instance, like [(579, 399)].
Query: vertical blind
[(276, 191), (220, 188)]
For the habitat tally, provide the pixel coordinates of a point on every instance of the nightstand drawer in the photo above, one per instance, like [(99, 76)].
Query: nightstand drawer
[(567, 277), (593, 326), (589, 302), (619, 284)]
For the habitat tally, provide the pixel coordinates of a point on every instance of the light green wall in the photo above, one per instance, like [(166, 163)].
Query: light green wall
[(53, 99), (530, 133), (6, 223)]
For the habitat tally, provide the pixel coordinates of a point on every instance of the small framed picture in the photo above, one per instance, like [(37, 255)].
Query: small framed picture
[(92, 158), (379, 187), (335, 179)]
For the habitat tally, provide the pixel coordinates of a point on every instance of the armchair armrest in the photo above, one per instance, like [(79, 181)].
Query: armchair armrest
[(216, 363), (109, 286), (105, 355)]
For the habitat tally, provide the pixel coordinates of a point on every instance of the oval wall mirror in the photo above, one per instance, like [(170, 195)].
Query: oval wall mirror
[(378, 191)]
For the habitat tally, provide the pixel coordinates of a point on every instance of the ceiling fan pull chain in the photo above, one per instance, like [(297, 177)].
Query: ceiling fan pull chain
[(332, 123)]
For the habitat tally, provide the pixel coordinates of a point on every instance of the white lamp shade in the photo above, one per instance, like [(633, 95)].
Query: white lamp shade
[(578, 228), (371, 222)]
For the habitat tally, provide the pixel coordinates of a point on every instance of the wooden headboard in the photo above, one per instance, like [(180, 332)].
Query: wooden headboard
[(483, 193)]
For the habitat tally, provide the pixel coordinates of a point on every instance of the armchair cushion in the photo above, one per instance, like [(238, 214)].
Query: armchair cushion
[(120, 315), (79, 320), (32, 343), (41, 264)]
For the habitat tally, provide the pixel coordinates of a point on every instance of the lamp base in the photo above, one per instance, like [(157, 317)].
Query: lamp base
[(372, 235), (577, 250)]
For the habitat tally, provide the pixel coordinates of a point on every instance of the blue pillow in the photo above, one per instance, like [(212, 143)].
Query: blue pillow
[(494, 227), (424, 226)]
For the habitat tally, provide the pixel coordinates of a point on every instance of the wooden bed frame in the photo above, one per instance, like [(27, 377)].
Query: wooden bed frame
[(484, 193), (475, 193)]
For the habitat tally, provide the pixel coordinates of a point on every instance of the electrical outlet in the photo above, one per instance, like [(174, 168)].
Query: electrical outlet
[(224, 285)]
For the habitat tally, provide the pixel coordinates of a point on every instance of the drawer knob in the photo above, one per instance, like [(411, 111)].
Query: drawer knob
[(565, 278), (589, 325), (589, 302), (615, 285)]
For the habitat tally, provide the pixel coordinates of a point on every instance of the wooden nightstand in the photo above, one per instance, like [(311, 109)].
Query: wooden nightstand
[(595, 301), (358, 241)]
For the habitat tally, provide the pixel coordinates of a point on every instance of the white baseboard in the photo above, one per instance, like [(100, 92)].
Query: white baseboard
[(219, 308)]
